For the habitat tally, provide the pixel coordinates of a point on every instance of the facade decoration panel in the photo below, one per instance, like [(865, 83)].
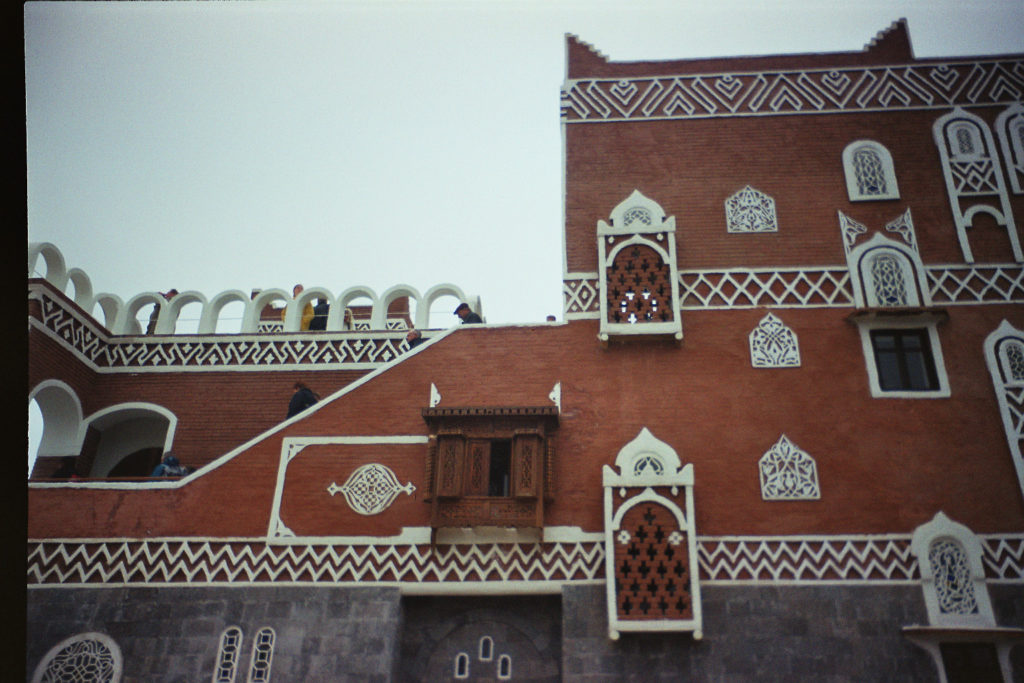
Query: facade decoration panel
[(228, 655), (974, 176), (1010, 131), (722, 559), (650, 540), (637, 271), (1004, 355), (870, 174), (773, 345), (84, 657), (923, 85), (371, 489), (750, 210), (788, 473)]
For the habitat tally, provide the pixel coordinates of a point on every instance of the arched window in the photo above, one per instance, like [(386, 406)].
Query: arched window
[(461, 665), (887, 280), (228, 655), (486, 649), (953, 585), (870, 174), (85, 657), (637, 271), (262, 654), (1014, 354), (504, 668)]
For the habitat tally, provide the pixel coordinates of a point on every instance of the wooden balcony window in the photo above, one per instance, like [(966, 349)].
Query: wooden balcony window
[(489, 466)]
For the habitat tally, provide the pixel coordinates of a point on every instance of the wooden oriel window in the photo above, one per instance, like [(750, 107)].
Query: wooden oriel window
[(489, 466)]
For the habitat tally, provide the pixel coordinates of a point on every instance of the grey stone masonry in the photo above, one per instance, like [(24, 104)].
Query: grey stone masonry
[(172, 635), (826, 634), (524, 629)]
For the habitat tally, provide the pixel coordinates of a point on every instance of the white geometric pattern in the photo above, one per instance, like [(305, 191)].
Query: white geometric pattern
[(813, 287), (371, 489), (185, 561), (952, 577), (750, 210), (788, 473), (810, 91), (748, 288), (213, 352), (773, 345)]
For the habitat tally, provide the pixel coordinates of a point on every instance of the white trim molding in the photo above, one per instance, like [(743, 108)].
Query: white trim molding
[(898, 87)]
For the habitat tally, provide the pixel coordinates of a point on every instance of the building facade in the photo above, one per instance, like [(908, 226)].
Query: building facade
[(777, 435)]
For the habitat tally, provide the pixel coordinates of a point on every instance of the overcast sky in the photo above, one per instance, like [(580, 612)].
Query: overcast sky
[(215, 146)]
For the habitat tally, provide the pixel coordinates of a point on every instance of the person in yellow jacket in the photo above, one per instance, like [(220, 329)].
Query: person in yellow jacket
[(307, 310)]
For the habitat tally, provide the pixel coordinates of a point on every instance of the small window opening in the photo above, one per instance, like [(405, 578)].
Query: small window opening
[(501, 461), (504, 667), (904, 360), (462, 665), (486, 649)]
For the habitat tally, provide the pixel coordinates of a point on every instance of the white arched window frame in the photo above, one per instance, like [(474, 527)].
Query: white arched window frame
[(887, 274), (262, 655), (1002, 355), (228, 655), (952, 574), (974, 176), (644, 466), (638, 222), (949, 556), (1010, 130), (870, 173)]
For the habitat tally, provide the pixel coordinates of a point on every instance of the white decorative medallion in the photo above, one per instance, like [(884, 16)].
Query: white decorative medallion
[(788, 473), (750, 210), (773, 345), (371, 489)]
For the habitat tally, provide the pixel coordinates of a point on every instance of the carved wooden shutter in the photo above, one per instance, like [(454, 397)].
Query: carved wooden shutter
[(450, 465), (527, 465), (478, 468)]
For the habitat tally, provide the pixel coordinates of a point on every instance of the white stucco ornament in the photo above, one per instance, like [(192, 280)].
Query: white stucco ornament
[(371, 489)]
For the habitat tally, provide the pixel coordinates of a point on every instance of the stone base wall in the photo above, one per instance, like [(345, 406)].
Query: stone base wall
[(172, 635), (757, 633), (751, 633)]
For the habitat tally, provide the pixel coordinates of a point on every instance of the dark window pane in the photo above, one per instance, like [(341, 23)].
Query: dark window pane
[(501, 461), (904, 360)]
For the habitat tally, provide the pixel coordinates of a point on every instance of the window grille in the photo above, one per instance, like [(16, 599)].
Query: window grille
[(227, 655), (262, 654), (867, 168), (887, 278)]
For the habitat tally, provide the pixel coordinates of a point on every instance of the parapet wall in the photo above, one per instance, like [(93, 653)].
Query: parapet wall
[(119, 316)]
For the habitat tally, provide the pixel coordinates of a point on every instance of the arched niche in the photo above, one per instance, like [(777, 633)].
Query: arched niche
[(122, 430)]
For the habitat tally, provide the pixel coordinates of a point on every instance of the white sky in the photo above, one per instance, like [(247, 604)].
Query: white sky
[(215, 146)]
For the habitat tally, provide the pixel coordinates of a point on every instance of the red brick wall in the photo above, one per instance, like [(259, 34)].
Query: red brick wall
[(884, 465), (690, 167)]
